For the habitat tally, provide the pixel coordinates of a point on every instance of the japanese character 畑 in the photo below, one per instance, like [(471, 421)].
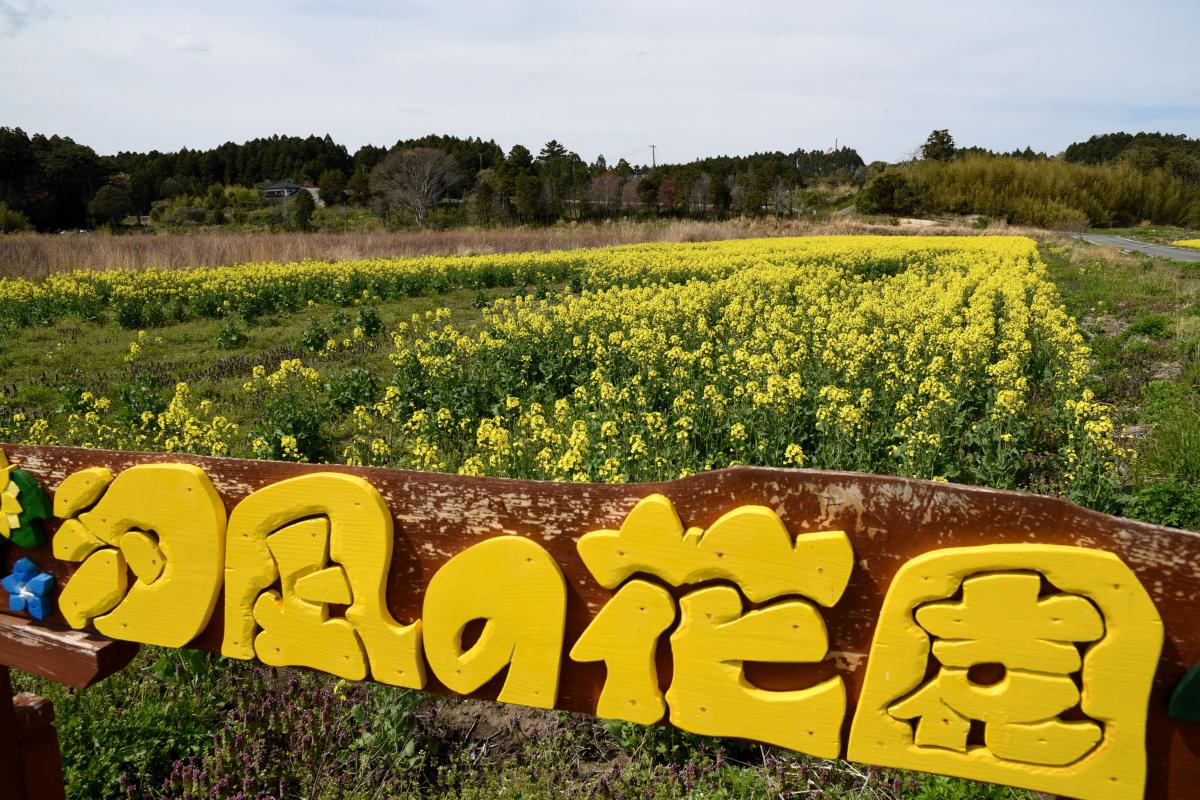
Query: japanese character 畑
[(1050, 650), (709, 694)]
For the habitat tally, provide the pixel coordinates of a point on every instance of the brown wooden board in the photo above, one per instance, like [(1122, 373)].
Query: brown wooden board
[(52, 650), (889, 521)]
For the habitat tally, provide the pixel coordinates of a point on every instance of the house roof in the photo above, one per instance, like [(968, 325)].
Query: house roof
[(280, 186)]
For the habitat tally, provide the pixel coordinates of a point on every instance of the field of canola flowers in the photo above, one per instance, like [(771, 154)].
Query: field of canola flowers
[(948, 358)]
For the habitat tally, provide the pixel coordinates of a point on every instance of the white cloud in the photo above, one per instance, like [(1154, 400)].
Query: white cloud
[(177, 44), (16, 14), (695, 78)]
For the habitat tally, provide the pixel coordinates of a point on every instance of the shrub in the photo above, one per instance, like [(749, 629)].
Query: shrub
[(314, 336), (292, 412), (891, 192), (369, 320), (230, 336), (13, 221), (354, 387)]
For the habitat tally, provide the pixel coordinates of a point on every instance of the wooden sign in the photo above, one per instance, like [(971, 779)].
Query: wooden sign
[(985, 634)]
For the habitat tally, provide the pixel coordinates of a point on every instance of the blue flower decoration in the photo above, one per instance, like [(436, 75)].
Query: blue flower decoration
[(29, 589)]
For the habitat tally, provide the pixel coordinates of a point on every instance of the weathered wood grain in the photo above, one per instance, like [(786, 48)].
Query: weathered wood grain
[(888, 522), (58, 653)]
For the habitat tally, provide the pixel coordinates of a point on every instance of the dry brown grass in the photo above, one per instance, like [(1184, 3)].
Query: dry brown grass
[(36, 255)]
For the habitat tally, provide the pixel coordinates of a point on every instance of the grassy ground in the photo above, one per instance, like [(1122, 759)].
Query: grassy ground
[(182, 724), (47, 367), (1142, 320)]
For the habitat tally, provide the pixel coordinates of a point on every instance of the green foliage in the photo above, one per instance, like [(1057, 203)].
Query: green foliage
[(1053, 193), (939, 146), (1153, 325), (720, 198), (303, 207), (133, 727), (144, 391), (891, 192), (292, 419), (110, 205), (230, 336), (1174, 453), (367, 318), (359, 187), (332, 187), (1166, 502), (314, 336), (527, 193), (1177, 154), (354, 387), (134, 313), (12, 221), (49, 179)]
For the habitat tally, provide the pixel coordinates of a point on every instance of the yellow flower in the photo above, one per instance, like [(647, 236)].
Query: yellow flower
[(10, 506)]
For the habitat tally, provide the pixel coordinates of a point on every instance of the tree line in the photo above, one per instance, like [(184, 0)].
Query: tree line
[(1112, 180), (55, 183)]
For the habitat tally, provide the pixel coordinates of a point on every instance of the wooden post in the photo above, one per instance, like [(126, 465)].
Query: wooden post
[(12, 771), (41, 760), (30, 761)]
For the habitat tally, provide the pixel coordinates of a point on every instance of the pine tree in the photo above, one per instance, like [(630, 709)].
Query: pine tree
[(302, 210)]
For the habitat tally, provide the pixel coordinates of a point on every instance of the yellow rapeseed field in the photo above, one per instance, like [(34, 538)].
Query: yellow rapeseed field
[(1188, 243), (935, 357)]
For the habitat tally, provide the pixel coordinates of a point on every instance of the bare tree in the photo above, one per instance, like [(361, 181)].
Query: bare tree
[(698, 193), (415, 180), (629, 193), (605, 192), (781, 198)]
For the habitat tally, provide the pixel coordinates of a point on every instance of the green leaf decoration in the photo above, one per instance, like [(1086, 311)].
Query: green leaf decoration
[(35, 505), (1185, 700)]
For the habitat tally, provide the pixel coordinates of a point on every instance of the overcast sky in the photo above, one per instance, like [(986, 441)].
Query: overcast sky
[(612, 77)]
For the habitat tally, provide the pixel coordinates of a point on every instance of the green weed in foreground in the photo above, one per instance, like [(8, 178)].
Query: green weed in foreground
[(186, 725)]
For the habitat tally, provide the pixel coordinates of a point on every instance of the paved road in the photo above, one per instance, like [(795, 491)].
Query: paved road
[(1132, 245)]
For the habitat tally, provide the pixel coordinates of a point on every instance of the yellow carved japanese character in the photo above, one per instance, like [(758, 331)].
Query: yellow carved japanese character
[(709, 694), (517, 588), (165, 523), (325, 540), (1007, 654), (624, 635), (749, 546)]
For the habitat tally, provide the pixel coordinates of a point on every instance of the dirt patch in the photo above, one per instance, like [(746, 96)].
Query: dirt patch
[(1166, 371), (1106, 325)]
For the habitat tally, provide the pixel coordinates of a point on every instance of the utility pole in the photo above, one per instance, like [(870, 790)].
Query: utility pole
[(652, 162)]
